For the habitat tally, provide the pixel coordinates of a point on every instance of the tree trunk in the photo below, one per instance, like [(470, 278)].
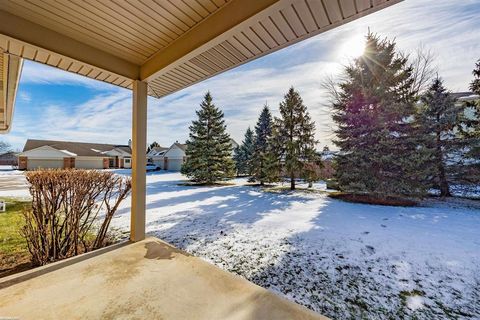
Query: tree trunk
[(444, 188), (292, 182), (442, 177)]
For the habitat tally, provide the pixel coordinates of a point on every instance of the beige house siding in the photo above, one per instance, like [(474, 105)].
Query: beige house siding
[(89, 163)]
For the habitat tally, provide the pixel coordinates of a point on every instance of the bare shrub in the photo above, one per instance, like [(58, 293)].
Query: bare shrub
[(67, 211)]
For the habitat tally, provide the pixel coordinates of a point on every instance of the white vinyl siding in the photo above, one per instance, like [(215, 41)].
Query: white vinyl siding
[(175, 164), (127, 163)]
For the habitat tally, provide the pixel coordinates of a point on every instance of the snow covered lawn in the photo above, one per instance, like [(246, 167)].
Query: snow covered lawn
[(341, 259)]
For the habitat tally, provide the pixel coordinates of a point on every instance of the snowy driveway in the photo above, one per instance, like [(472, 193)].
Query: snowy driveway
[(341, 259)]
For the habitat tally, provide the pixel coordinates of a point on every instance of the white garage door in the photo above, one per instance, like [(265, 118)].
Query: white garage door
[(175, 164), (159, 163), (89, 163), (33, 164)]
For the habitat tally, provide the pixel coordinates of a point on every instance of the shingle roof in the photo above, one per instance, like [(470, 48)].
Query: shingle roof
[(158, 149), (182, 146), (459, 95), (85, 149)]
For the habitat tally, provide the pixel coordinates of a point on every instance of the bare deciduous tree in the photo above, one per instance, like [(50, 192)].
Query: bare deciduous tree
[(424, 70), (5, 147)]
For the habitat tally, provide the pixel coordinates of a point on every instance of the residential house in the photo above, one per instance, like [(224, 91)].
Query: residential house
[(462, 97), (155, 156), (8, 158), (172, 158), (66, 154)]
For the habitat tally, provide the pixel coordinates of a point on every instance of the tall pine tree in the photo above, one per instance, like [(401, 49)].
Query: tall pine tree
[(373, 109), (439, 122), (474, 119), (209, 147), (244, 153), (472, 130), (239, 159), (298, 133), (154, 144), (261, 157)]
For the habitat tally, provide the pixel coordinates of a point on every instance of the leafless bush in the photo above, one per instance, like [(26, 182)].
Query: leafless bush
[(67, 211)]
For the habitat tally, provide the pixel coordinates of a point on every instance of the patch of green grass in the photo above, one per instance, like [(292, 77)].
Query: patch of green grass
[(14, 255), (405, 294), (11, 222)]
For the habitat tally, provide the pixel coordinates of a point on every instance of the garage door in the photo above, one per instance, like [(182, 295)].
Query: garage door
[(175, 164), (159, 163), (89, 164), (33, 164)]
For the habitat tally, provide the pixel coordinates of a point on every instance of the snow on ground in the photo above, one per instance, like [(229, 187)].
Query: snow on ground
[(341, 259), (13, 183)]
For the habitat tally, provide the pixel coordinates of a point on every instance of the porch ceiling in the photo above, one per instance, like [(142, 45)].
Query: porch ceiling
[(170, 44)]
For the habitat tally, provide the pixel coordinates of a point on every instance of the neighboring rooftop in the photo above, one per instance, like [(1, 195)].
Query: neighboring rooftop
[(85, 149), (182, 146), (465, 95)]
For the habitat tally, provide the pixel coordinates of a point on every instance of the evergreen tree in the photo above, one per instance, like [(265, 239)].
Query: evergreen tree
[(475, 84), (263, 133), (248, 148), (474, 119), (152, 145), (298, 132), (239, 159), (243, 154), (274, 153), (472, 130), (439, 123), (209, 148), (373, 109)]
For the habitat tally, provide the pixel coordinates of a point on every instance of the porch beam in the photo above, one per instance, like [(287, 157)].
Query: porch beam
[(209, 32), (139, 160), (34, 34)]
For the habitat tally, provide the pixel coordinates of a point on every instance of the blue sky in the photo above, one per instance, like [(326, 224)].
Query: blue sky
[(53, 104)]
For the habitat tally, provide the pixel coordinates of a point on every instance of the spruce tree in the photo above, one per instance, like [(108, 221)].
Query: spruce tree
[(474, 119), (475, 84), (243, 154), (373, 109), (298, 132), (209, 148), (154, 144), (263, 134), (439, 123), (239, 159), (274, 154), (472, 130)]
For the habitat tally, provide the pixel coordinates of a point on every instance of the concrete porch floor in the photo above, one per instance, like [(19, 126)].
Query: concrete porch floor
[(145, 280)]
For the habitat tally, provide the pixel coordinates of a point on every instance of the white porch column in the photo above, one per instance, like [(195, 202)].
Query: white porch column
[(139, 160)]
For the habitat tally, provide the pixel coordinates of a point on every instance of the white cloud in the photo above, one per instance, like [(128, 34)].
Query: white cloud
[(449, 28), (36, 73)]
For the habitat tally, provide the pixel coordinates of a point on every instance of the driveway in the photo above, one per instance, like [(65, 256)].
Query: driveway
[(13, 184)]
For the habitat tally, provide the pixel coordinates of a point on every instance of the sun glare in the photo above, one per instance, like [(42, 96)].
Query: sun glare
[(353, 47)]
